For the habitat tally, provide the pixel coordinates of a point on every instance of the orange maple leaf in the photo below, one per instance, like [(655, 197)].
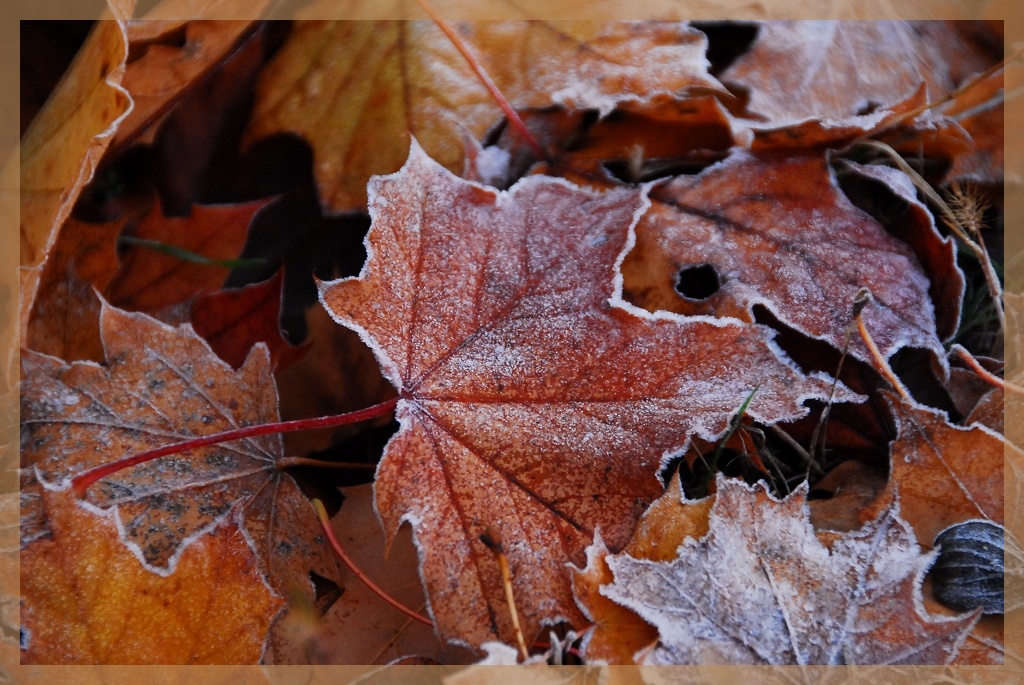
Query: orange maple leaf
[(161, 385)]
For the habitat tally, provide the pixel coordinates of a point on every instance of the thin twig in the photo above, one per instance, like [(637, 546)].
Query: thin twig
[(985, 374), (325, 523), (492, 539), (860, 301), (478, 69), (991, 277), (800, 451), (821, 428), (761, 449)]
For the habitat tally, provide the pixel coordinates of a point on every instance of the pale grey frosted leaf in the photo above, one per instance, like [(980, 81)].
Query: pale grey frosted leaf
[(763, 588)]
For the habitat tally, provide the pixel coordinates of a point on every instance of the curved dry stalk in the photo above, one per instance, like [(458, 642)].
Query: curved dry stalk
[(906, 116), (325, 524), (860, 301), (478, 69), (984, 373), (492, 538)]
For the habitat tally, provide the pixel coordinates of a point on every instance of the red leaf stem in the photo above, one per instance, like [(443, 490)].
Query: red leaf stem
[(82, 481), (325, 523)]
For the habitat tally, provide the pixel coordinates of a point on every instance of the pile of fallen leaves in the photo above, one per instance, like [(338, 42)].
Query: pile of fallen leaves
[(624, 342)]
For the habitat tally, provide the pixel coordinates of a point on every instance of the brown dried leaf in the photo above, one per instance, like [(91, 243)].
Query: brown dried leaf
[(360, 628), (162, 385), (233, 321), (165, 71), (667, 523), (967, 389), (763, 588), (850, 487), (989, 411), (534, 400), (65, 320), (945, 474), (778, 232), (825, 133), (151, 280), (936, 255), (985, 644), (618, 633), (85, 599), (61, 148), (798, 70), (358, 90), (10, 588), (664, 136)]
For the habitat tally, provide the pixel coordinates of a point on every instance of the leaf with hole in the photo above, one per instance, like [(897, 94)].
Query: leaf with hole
[(777, 232)]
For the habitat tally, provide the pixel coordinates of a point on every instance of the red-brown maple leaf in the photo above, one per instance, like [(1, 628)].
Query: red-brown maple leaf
[(779, 232), (533, 398)]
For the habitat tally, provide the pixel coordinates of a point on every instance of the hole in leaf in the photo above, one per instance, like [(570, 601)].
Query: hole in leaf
[(698, 282), (325, 592), (868, 107), (727, 40)]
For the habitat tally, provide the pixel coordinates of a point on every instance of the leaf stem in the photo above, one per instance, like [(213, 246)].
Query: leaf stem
[(492, 539), (988, 377), (325, 523), (478, 69), (860, 301), (82, 481)]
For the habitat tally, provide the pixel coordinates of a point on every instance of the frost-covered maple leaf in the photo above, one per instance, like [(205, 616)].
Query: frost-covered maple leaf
[(533, 399), (762, 587)]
